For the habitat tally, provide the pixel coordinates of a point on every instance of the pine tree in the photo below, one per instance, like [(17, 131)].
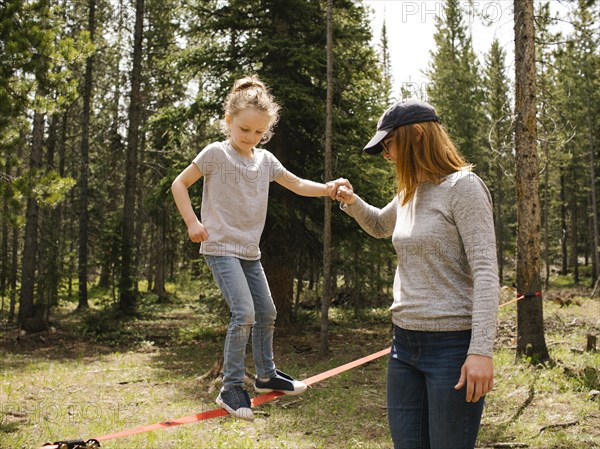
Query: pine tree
[(455, 81), (586, 62), (387, 78), (84, 171), (128, 278), (108, 143), (164, 138), (577, 75), (328, 279), (530, 320), (551, 137), (42, 53), (500, 143)]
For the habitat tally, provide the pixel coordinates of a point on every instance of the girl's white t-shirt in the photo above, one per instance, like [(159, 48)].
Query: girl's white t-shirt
[(234, 198)]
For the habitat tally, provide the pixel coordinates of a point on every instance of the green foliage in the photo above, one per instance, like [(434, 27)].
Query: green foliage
[(192, 53), (37, 57), (570, 79), (52, 189), (48, 188), (106, 327)]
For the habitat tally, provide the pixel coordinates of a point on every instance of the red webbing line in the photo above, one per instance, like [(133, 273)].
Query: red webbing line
[(176, 422), (259, 399), (520, 297), (346, 367), (161, 425), (220, 412)]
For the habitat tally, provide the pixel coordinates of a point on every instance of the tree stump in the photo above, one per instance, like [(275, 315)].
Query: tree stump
[(215, 376), (215, 371), (591, 343)]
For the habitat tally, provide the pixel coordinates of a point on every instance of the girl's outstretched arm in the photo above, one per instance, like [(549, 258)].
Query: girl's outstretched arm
[(301, 186), (306, 187)]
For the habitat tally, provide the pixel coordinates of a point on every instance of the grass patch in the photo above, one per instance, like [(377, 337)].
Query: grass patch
[(95, 373)]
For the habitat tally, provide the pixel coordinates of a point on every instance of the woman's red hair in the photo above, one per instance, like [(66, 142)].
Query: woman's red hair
[(424, 152)]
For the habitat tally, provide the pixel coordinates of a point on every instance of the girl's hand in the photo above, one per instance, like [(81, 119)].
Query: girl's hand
[(477, 374), (197, 232)]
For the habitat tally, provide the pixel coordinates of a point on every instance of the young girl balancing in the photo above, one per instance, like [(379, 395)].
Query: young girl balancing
[(237, 175)]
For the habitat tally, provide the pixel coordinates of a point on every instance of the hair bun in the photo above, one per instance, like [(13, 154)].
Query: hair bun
[(248, 82)]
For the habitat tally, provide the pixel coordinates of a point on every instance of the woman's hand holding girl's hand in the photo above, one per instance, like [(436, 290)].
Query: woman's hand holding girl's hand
[(197, 232), (345, 195), (340, 190)]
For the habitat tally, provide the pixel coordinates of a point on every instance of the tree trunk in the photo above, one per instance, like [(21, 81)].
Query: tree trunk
[(127, 293), (546, 209), (299, 287), (530, 320), (564, 269), (278, 265), (67, 231), (13, 274), (15, 243), (50, 265), (31, 318), (140, 226), (278, 256), (327, 281), (4, 264), (355, 283), (160, 262), (278, 253), (574, 219), (499, 220), (593, 193), (82, 271)]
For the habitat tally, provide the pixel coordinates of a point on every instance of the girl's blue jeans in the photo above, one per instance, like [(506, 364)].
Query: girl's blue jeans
[(244, 286), (424, 409)]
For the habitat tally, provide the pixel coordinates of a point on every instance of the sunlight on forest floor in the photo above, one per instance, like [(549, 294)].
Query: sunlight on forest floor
[(93, 374)]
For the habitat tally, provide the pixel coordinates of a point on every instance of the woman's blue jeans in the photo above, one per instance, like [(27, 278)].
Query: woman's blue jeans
[(424, 409), (244, 286)]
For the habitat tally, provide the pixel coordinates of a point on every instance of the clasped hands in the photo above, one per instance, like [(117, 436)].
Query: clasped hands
[(340, 190)]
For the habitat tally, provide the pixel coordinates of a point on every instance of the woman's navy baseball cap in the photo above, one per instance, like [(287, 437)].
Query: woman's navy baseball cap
[(400, 114)]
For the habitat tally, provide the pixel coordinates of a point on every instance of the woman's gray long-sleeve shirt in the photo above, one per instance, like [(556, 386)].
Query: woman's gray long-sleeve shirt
[(447, 273)]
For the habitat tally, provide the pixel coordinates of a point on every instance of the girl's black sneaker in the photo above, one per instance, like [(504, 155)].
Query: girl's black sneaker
[(236, 401), (280, 382)]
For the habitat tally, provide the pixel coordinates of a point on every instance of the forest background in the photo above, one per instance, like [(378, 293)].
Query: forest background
[(103, 102)]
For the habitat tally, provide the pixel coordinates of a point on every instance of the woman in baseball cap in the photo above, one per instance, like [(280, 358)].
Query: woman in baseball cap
[(446, 282)]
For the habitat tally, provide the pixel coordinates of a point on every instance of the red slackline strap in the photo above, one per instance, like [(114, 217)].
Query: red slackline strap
[(259, 399), (346, 367), (520, 297), (220, 412)]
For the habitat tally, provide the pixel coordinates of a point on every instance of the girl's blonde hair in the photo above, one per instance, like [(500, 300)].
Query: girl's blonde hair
[(430, 157), (251, 92)]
